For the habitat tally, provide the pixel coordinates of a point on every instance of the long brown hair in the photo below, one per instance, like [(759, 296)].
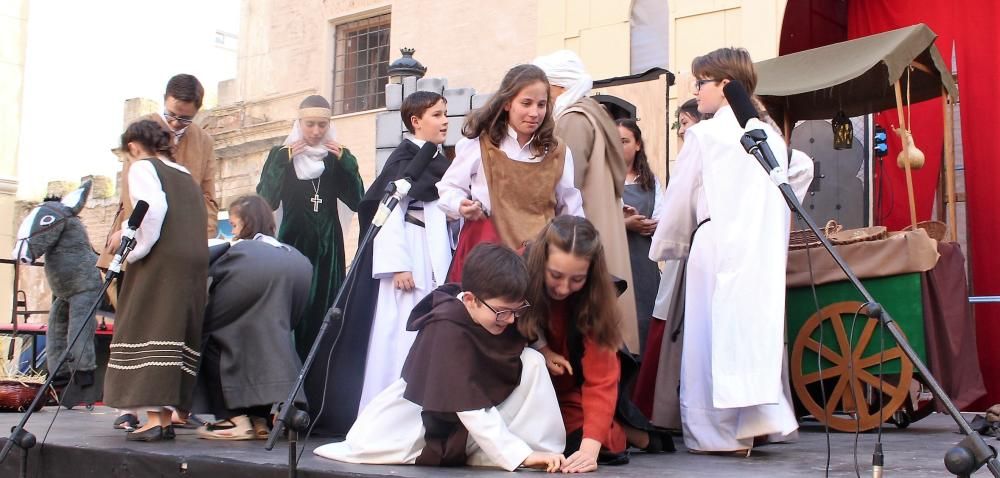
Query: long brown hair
[(256, 215), (640, 165), (490, 120), (591, 309)]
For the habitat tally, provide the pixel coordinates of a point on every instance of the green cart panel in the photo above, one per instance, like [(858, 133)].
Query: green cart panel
[(900, 295)]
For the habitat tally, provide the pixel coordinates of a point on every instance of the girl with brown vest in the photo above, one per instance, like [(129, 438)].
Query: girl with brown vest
[(510, 168)]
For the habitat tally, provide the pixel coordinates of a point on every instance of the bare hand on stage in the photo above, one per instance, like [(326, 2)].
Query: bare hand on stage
[(557, 364), (629, 211), (585, 459), (114, 240), (297, 147), (333, 147), (993, 413), (471, 210), (403, 281), (550, 462)]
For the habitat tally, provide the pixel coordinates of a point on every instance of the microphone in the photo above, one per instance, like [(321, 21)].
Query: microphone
[(420, 161), (878, 460), (128, 237), (739, 100), (755, 139), (398, 189)]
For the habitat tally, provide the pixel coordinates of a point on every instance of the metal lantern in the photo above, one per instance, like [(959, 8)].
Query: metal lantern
[(843, 132), (405, 66)]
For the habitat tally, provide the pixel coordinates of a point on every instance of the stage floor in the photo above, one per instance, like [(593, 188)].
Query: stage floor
[(82, 444)]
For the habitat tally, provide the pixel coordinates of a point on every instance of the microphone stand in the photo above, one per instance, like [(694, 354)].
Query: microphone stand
[(972, 452), (298, 420), (24, 439)]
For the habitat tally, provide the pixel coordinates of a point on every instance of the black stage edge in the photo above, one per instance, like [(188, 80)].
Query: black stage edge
[(82, 444)]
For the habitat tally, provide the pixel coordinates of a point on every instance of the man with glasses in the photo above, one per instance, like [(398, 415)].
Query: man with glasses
[(194, 151)]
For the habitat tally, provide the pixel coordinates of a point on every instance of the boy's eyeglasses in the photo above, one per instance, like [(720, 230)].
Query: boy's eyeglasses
[(180, 119), (699, 83), (503, 315)]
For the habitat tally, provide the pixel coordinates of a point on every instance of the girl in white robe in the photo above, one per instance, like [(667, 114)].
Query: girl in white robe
[(731, 387)]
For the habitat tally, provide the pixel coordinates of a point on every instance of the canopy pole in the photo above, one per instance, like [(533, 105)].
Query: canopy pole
[(949, 164), (787, 127), (906, 156)]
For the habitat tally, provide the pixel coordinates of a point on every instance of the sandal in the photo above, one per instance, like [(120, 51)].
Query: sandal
[(127, 422), (260, 428), (236, 428), (189, 422)]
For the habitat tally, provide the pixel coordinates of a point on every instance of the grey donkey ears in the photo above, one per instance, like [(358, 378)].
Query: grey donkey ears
[(78, 198)]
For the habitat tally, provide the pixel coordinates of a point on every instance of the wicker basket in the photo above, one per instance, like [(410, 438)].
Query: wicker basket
[(937, 230), (16, 396), (863, 234), (804, 238)]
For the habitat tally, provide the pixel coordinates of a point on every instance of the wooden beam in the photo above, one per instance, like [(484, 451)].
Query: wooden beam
[(921, 67), (788, 128), (906, 156), (949, 164)]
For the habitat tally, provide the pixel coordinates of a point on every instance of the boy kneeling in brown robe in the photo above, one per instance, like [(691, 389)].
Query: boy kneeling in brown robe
[(470, 392)]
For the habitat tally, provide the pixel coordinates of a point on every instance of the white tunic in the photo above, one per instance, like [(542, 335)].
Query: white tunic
[(400, 246), (390, 430), (465, 178), (144, 185), (731, 388)]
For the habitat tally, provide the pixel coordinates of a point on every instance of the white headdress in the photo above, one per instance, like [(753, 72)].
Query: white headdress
[(564, 68), (309, 163)]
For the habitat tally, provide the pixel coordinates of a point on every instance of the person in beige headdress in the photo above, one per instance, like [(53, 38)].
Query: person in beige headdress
[(591, 135)]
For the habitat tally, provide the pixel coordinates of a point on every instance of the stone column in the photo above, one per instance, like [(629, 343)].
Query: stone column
[(14, 37)]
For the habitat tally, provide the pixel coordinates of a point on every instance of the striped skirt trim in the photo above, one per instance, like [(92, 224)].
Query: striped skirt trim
[(154, 353)]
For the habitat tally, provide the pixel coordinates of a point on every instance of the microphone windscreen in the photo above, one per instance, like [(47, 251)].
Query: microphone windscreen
[(138, 213), (420, 161), (739, 100)]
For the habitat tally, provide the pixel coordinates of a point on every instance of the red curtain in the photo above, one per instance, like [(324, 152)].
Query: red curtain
[(869, 17), (967, 23), (979, 70)]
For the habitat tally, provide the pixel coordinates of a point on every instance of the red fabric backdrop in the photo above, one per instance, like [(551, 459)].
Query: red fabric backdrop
[(970, 25)]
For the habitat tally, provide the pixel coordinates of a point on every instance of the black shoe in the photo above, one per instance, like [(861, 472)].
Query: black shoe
[(168, 432), (127, 422), (607, 458), (151, 434), (660, 442)]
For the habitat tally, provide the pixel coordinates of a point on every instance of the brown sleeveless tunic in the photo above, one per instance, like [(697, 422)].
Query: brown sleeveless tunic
[(157, 341), (522, 194)]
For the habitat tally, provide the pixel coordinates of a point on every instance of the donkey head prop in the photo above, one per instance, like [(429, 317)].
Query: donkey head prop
[(42, 227)]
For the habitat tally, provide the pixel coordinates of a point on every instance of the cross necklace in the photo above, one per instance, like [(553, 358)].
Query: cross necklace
[(316, 200)]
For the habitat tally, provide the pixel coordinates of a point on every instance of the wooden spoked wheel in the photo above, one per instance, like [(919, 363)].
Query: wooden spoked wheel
[(853, 388)]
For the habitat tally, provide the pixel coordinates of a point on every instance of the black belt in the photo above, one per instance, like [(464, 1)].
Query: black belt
[(413, 220)]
